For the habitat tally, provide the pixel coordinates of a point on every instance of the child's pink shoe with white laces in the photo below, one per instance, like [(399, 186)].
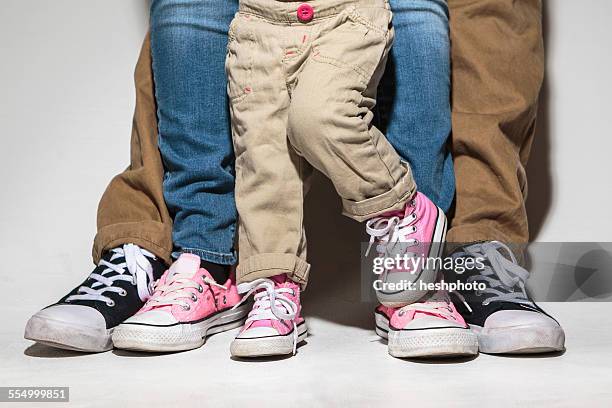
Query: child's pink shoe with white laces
[(431, 328), (187, 306), (416, 232), (274, 325)]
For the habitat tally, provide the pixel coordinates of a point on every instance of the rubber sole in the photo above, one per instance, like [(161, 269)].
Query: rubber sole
[(267, 346), (67, 336), (178, 337), (443, 342), (404, 297), (527, 339)]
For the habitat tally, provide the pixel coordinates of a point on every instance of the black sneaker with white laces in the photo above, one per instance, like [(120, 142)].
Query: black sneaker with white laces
[(503, 315), (84, 319)]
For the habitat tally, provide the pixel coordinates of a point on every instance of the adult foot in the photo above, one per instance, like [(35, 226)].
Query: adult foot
[(85, 318), (503, 315)]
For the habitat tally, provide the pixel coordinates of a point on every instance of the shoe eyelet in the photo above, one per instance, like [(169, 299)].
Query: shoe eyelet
[(200, 288), (110, 303), (401, 313), (194, 298), (123, 293), (186, 307)]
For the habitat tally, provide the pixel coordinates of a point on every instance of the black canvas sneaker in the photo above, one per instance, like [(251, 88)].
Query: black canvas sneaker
[(84, 319), (503, 315)]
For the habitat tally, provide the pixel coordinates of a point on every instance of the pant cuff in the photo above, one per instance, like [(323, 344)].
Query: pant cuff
[(268, 265), (153, 236), (392, 200), (210, 256)]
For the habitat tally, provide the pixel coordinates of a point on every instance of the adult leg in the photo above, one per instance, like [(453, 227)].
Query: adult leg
[(414, 96), (134, 230), (132, 209), (498, 66)]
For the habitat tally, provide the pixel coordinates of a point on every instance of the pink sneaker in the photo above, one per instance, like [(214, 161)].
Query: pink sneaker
[(274, 326), (417, 232), (186, 307), (432, 328)]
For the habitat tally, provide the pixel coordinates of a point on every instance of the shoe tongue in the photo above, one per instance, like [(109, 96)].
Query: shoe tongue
[(186, 264), (439, 296), (279, 279), (408, 208)]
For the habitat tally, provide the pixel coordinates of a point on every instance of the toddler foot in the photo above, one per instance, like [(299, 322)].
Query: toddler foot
[(274, 325)]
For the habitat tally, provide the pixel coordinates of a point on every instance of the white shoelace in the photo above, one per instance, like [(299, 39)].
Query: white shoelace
[(502, 276), (390, 231), (270, 303), (136, 269), (175, 291)]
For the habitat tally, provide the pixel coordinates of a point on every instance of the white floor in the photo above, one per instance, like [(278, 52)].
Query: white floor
[(343, 363)]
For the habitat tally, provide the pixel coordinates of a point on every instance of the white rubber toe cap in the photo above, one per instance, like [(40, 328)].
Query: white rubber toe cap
[(74, 315), (70, 327), (154, 318), (255, 332), (513, 318)]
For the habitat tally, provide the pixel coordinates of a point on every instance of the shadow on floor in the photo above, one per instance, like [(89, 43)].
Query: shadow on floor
[(42, 351)]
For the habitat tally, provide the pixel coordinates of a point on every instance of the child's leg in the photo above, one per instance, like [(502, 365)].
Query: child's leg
[(188, 40), (414, 105), (270, 188), (331, 113), (270, 176), (330, 125)]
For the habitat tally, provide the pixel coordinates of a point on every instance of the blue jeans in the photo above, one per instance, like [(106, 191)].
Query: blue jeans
[(413, 108), (188, 40)]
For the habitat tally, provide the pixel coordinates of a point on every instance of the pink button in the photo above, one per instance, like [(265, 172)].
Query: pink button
[(305, 13)]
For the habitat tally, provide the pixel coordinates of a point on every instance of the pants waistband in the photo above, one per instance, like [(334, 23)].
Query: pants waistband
[(286, 11)]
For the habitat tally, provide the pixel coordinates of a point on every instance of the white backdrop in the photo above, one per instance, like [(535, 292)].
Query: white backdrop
[(66, 102)]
